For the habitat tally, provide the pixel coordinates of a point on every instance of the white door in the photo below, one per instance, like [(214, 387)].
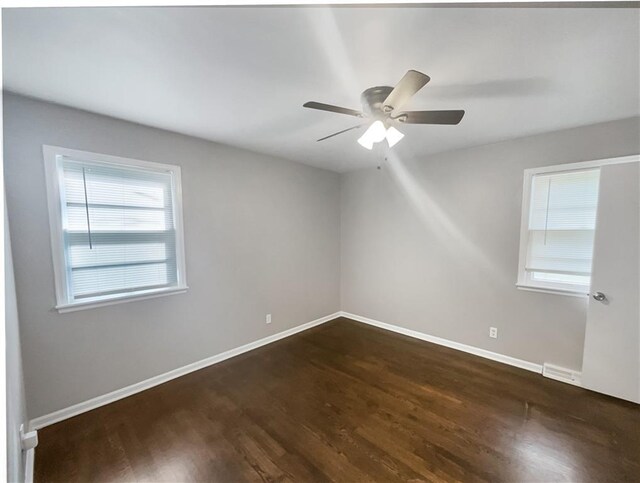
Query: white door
[(611, 362)]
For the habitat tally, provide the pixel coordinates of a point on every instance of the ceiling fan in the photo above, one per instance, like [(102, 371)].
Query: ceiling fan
[(383, 106)]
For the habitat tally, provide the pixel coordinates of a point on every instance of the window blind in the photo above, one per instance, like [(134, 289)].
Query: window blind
[(118, 229), (562, 226)]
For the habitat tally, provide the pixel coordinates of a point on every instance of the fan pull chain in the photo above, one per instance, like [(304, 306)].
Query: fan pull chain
[(86, 206)]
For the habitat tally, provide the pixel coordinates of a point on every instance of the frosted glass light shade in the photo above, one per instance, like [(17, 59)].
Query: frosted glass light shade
[(393, 136), (376, 133)]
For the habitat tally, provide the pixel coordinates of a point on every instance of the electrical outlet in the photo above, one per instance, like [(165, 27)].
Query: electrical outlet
[(493, 332), (268, 318)]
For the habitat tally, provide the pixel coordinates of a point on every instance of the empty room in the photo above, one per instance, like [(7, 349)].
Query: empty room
[(312, 243)]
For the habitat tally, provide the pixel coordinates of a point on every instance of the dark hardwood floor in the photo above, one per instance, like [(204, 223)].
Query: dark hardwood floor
[(348, 402)]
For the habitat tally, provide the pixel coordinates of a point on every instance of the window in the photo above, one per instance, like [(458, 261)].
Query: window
[(558, 227), (116, 228)]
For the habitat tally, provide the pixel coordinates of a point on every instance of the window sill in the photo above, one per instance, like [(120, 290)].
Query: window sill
[(92, 304), (554, 291)]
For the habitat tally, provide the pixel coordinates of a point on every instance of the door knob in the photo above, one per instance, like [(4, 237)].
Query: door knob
[(599, 296)]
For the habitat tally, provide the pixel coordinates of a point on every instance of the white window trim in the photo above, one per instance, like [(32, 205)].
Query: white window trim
[(523, 283), (52, 158)]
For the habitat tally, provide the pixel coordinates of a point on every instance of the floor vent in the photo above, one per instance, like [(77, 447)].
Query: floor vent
[(561, 374)]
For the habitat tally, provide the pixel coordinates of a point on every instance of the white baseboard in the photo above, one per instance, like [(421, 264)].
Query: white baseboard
[(494, 356), (29, 465), (562, 374), (66, 413)]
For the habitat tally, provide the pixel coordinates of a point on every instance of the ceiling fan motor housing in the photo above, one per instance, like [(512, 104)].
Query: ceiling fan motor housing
[(373, 101)]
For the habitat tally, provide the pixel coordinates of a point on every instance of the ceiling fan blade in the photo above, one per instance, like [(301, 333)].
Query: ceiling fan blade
[(411, 83), (340, 132), (328, 107), (430, 117)]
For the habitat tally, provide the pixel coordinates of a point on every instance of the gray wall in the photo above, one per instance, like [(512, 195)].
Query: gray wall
[(261, 234), (16, 404), (429, 244), (432, 244)]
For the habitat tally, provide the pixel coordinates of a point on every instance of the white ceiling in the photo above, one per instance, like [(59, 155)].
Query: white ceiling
[(240, 75)]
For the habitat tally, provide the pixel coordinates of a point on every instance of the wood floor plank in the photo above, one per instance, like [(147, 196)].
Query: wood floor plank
[(348, 402)]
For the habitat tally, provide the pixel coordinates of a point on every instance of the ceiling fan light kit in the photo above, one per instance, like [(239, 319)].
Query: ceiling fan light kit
[(383, 105), (378, 132)]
